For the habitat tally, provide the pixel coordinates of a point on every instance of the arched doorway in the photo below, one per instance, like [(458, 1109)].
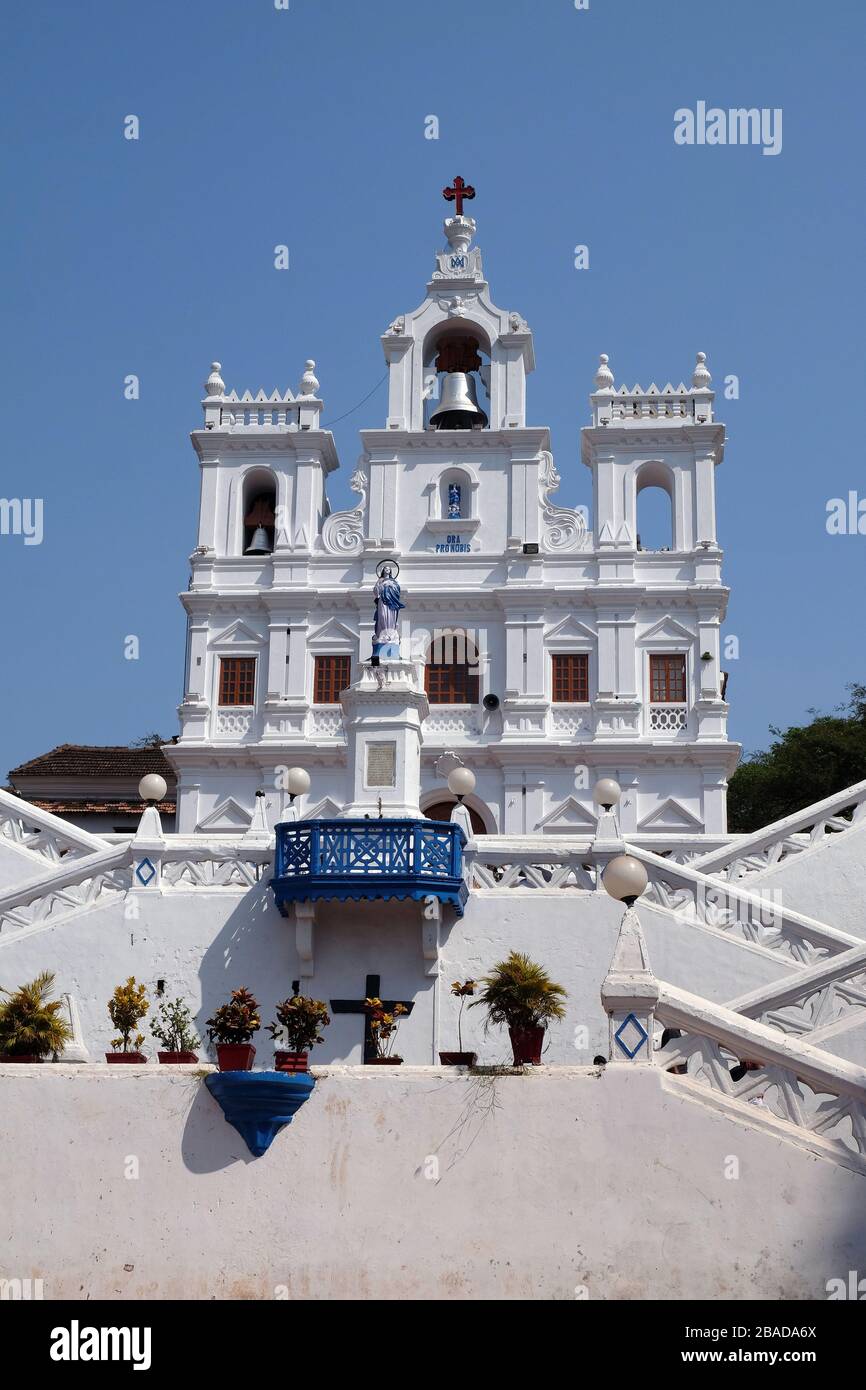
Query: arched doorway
[(441, 810)]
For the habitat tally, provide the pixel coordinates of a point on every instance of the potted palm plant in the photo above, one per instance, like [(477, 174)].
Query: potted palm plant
[(299, 1023), (31, 1027), (126, 1008), (462, 990), (173, 1027), (383, 1027), (521, 995), (231, 1029)]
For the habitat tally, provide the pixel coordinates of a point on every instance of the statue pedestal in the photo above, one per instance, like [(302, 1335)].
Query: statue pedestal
[(382, 714)]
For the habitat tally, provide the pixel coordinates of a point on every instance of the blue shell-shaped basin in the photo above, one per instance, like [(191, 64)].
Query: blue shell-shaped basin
[(259, 1103)]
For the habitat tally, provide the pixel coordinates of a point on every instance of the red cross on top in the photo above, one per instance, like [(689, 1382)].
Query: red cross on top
[(456, 194)]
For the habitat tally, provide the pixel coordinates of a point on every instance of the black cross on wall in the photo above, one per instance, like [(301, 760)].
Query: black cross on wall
[(357, 1006)]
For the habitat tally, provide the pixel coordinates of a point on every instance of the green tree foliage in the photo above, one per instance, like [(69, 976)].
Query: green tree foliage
[(803, 765)]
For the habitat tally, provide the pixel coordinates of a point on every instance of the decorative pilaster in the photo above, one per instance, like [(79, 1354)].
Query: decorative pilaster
[(630, 994)]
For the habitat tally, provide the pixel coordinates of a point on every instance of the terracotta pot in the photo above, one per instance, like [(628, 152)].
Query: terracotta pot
[(235, 1056), (136, 1058), (526, 1044), (176, 1058), (21, 1057), (385, 1062), (458, 1059), (291, 1061)]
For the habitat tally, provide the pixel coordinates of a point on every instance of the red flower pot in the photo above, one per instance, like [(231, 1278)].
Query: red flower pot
[(458, 1059), (235, 1056), (526, 1044), (21, 1057), (167, 1058), (291, 1061), (130, 1057), (385, 1062)]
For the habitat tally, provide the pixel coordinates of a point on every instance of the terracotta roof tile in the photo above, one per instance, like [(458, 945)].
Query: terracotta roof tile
[(87, 760)]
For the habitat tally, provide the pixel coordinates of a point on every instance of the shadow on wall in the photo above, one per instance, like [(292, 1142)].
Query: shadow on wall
[(253, 940), (209, 1143)]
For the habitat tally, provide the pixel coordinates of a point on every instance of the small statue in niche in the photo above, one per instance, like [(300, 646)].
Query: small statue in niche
[(386, 613), (454, 501)]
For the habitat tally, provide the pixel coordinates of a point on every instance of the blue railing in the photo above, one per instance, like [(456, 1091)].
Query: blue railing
[(353, 859)]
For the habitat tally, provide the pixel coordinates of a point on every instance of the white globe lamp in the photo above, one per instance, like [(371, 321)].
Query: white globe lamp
[(625, 878)]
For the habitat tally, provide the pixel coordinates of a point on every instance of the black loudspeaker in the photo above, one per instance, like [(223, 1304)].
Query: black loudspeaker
[(491, 702), (530, 548)]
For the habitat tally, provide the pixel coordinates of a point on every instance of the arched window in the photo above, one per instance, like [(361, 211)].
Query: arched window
[(451, 676), (259, 513), (654, 508)]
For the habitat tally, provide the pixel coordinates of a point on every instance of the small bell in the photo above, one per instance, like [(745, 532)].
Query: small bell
[(458, 409), (259, 545)]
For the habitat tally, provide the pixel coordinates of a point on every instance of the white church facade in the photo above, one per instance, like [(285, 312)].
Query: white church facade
[(553, 650), (460, 632)]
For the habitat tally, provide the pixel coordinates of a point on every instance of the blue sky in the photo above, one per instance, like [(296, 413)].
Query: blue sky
[(306, 127)]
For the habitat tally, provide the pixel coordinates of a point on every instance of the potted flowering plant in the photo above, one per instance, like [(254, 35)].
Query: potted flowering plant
[(521, 995), (173, 1027), (383, 1026), (126, 1007), (30, 1024), (299, 1021), (231, 1029), (462, 990)]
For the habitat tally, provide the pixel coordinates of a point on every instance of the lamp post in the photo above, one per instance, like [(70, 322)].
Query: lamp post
[(152, 789), (630, 991)]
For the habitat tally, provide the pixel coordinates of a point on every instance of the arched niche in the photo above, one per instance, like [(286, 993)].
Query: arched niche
[(258, 506), (453, 346), (654, 506)]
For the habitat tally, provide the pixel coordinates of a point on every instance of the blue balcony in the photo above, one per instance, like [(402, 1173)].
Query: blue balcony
[(354, 859)]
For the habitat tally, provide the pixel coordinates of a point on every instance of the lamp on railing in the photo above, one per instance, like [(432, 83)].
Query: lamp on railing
[(152, 788), (606, 793), (297, 783), (625, 878), (461, 783)]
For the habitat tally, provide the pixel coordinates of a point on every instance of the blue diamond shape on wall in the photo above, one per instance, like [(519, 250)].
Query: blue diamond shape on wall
[(144, 872), (636, 1036)]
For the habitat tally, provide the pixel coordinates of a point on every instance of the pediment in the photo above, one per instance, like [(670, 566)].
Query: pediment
[(670, 815), (568, 817), (228, 817), (570, 628), (667, 629), (326, 809), (333, 631), (236, 634)]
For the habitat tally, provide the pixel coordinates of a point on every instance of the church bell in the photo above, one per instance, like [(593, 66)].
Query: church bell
[(458, 409), (259, 545)]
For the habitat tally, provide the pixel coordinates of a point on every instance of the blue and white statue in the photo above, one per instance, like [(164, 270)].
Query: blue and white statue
[(386, 634), (453, 501)]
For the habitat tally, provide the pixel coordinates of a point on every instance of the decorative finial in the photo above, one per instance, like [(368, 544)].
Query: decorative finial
[(214, 386), (309, 385), (604, 375), (700, 376)]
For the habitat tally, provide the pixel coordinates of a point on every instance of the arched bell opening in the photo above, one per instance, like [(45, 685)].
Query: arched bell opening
[(654, 507), (260, 510), (457, 378)]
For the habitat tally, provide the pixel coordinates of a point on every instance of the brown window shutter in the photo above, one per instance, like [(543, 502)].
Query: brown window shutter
[(237, 680), (332, 674), (570, 678)]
